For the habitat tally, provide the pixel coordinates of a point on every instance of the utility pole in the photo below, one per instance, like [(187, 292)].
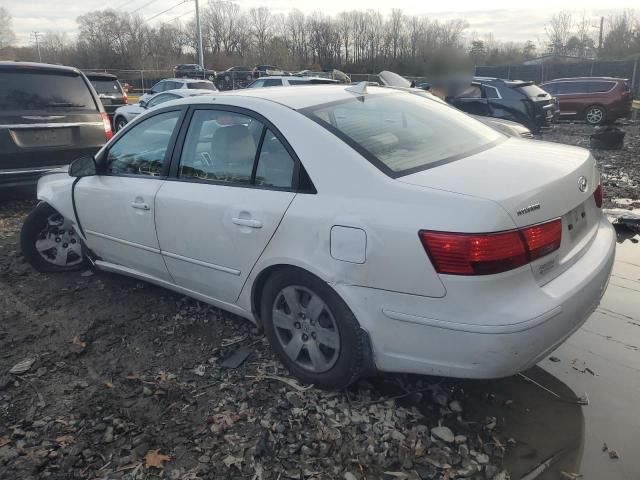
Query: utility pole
[(199, 32), (600, 36), (36, 35)]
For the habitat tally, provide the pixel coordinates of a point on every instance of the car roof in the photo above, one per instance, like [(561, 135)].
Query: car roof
[(298, 98), (37, 66), (185, 80), (582, 79), (189, 92)]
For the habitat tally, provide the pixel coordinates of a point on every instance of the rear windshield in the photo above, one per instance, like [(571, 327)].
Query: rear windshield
[(533, 91), (200, 86), (106, 86), (403, 133), (40, 90)]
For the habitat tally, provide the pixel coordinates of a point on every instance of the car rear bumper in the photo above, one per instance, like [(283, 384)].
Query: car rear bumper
[(24, 177), (469, 334)]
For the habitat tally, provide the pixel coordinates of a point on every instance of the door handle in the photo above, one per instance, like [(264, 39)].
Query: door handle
[(140, 206), (247, 222)]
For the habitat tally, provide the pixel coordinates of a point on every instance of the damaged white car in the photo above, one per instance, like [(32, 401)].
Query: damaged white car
[(364, 228)]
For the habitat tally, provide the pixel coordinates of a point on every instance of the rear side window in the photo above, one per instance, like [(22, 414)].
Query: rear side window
[(601, 87), (275, 165), (273, 82), (567, 88), (107, 87), (220, 146), (200, 86), (44, 90), (402, 133), (491, 92), (472, 91)]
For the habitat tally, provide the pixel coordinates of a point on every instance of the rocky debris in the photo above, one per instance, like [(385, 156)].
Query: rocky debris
[(443, 433), (23, 366), (620, 168)]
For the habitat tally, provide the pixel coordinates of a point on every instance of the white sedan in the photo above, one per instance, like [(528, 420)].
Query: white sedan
[(364, 228)]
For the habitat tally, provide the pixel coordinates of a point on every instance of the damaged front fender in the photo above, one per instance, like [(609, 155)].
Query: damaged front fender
[(56, 188)]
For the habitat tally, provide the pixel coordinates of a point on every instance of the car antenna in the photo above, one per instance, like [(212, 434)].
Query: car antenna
[(360, 88)]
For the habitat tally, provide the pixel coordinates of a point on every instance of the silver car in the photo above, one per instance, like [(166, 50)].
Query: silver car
[(125, 114)]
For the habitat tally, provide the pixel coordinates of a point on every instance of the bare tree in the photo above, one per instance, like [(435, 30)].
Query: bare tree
[(558, 31), (261, 28), (7, 37)]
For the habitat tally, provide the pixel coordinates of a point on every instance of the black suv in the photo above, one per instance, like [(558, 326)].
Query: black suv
[(514, 100), (193, 70), (49, 116), (109, 90)]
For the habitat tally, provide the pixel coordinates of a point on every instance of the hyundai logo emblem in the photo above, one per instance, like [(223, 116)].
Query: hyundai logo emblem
[(582, 183)]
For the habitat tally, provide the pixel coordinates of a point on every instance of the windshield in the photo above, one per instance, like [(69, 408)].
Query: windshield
[(108, 87), (403, 133), (43, 90), (200, 86)]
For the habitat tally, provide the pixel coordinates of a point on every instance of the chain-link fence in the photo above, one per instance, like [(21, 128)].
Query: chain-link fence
[(543, 72), (140, 81)]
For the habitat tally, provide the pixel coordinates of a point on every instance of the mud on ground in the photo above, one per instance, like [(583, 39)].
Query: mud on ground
[(115, 378)]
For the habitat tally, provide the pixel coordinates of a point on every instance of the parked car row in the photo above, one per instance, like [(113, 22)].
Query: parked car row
[(595, 100), (51, 114)]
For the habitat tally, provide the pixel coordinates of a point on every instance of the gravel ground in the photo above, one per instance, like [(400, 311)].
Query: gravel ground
[(620, 168), (106, 377)]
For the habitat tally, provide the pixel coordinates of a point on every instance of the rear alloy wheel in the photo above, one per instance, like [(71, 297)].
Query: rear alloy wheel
[(312, 330), (595, 115), (50, 242), (120, 123)]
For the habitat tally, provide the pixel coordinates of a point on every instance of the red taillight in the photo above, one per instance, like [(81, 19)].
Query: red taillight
[(542, 239), (108, 133), (597, 196), (489, 253)]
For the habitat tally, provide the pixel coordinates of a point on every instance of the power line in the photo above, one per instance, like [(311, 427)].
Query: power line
[(122, 5), (141, 7), (179, 16), (164, 11)]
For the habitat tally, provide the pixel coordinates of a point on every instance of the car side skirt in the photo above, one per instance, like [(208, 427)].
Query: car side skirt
[(114, 268)]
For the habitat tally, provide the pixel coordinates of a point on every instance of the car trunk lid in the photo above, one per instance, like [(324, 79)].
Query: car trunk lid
[(534, 183)]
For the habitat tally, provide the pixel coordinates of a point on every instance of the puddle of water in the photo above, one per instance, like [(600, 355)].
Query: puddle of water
[(602, 360)]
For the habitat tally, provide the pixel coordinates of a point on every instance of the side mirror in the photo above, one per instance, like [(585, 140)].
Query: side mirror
[(83, 167), (143, 103)]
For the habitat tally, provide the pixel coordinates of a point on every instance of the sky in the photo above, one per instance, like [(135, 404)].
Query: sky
[(499, 17)]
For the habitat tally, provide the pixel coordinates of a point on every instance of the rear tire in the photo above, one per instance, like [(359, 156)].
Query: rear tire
[(332, 349), (595, 115), (49, 242)]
